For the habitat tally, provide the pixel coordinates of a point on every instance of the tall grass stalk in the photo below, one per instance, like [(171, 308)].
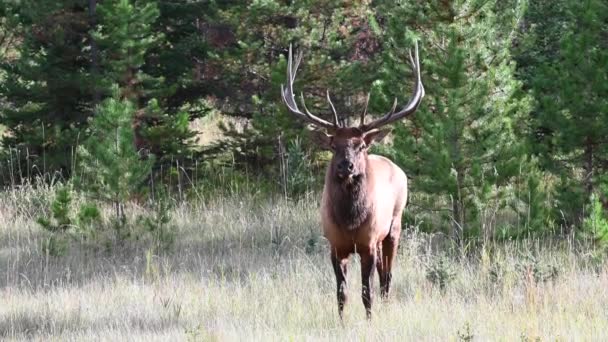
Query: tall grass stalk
[(246, 268)]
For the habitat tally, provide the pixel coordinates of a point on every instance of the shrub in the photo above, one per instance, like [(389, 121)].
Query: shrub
[(298, 170), (440, 272), (595, 224), (65, 222), (111, 168), (541, 271), (158, 225)]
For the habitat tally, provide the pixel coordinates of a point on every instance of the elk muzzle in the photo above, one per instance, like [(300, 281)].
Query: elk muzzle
[(345, 169)]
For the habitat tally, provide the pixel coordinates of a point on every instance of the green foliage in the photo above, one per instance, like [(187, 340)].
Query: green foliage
[(313, 243), (125, 35), (110, 168), (298, 170), (531, 267), (461, 148), (595, 224), (88, 215), (167, 135), (467, 149), (338, 47), (466, 333), (566, 60), (70, 219), (65, 224), (531, 201), (60, 209), (45, 97), (64, 62), (158, 225), (225, 180), (440, 272), (534, 197)]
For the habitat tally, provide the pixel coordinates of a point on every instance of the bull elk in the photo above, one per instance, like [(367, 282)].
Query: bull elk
[(364, 194)]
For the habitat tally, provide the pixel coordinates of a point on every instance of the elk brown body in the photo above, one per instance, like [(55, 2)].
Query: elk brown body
[(364, 194)]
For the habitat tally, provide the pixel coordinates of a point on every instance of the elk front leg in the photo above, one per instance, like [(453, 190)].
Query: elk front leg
[(368, 262), (340, 263)]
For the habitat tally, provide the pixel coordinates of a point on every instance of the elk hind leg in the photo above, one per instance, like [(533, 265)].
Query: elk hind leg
[(389, 248), (381, 266)]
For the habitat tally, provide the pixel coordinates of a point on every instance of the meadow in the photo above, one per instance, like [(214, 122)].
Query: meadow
[(258, 269)]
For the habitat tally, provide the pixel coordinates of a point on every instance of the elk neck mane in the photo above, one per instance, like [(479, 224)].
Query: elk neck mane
[(350, 206)]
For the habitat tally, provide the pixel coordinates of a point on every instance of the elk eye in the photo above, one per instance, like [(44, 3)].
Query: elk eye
[(332, 146)]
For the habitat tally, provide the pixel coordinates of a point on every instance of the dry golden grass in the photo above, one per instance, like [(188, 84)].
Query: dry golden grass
[(258, 270)]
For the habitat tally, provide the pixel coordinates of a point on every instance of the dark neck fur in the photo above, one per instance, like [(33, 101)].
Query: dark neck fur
[(350, 208)]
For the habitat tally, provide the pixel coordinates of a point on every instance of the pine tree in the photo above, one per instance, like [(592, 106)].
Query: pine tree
[(46, 90), (339, 46), (571, 114), (110, 168), (10, 30), (127, 37), (460, 148), (68, 56), (191, 36)]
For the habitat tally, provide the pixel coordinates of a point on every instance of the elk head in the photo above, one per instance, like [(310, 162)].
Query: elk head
[(349, 145)]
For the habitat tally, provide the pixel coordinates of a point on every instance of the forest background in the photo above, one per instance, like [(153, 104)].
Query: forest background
[(146, 154), (118, 96), (511, 139)]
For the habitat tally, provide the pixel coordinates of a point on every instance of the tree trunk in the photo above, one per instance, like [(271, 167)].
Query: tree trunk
[(587, 178), (588, 167), (94, 52), (458, 210), (456, 225)]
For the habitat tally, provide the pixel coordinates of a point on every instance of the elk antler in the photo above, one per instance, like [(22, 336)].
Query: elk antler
[(410, 108), (289, 98)]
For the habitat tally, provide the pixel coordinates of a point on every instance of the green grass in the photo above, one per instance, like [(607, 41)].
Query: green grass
[(258, 269)]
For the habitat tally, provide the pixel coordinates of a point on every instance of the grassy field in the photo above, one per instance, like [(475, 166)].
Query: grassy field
[(258, 269)]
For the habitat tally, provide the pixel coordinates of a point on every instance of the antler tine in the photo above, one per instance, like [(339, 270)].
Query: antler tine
[(394, 108), (333, 109), (308, 114), (412, 105), (364, 111), (289, 97), (417, 63), (298, 61)]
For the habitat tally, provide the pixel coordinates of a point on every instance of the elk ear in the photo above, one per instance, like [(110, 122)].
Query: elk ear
[(375, 135), (322, 139)]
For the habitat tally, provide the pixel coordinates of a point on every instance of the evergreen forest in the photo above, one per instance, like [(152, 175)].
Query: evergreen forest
[(510, 140), (154, 184)]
